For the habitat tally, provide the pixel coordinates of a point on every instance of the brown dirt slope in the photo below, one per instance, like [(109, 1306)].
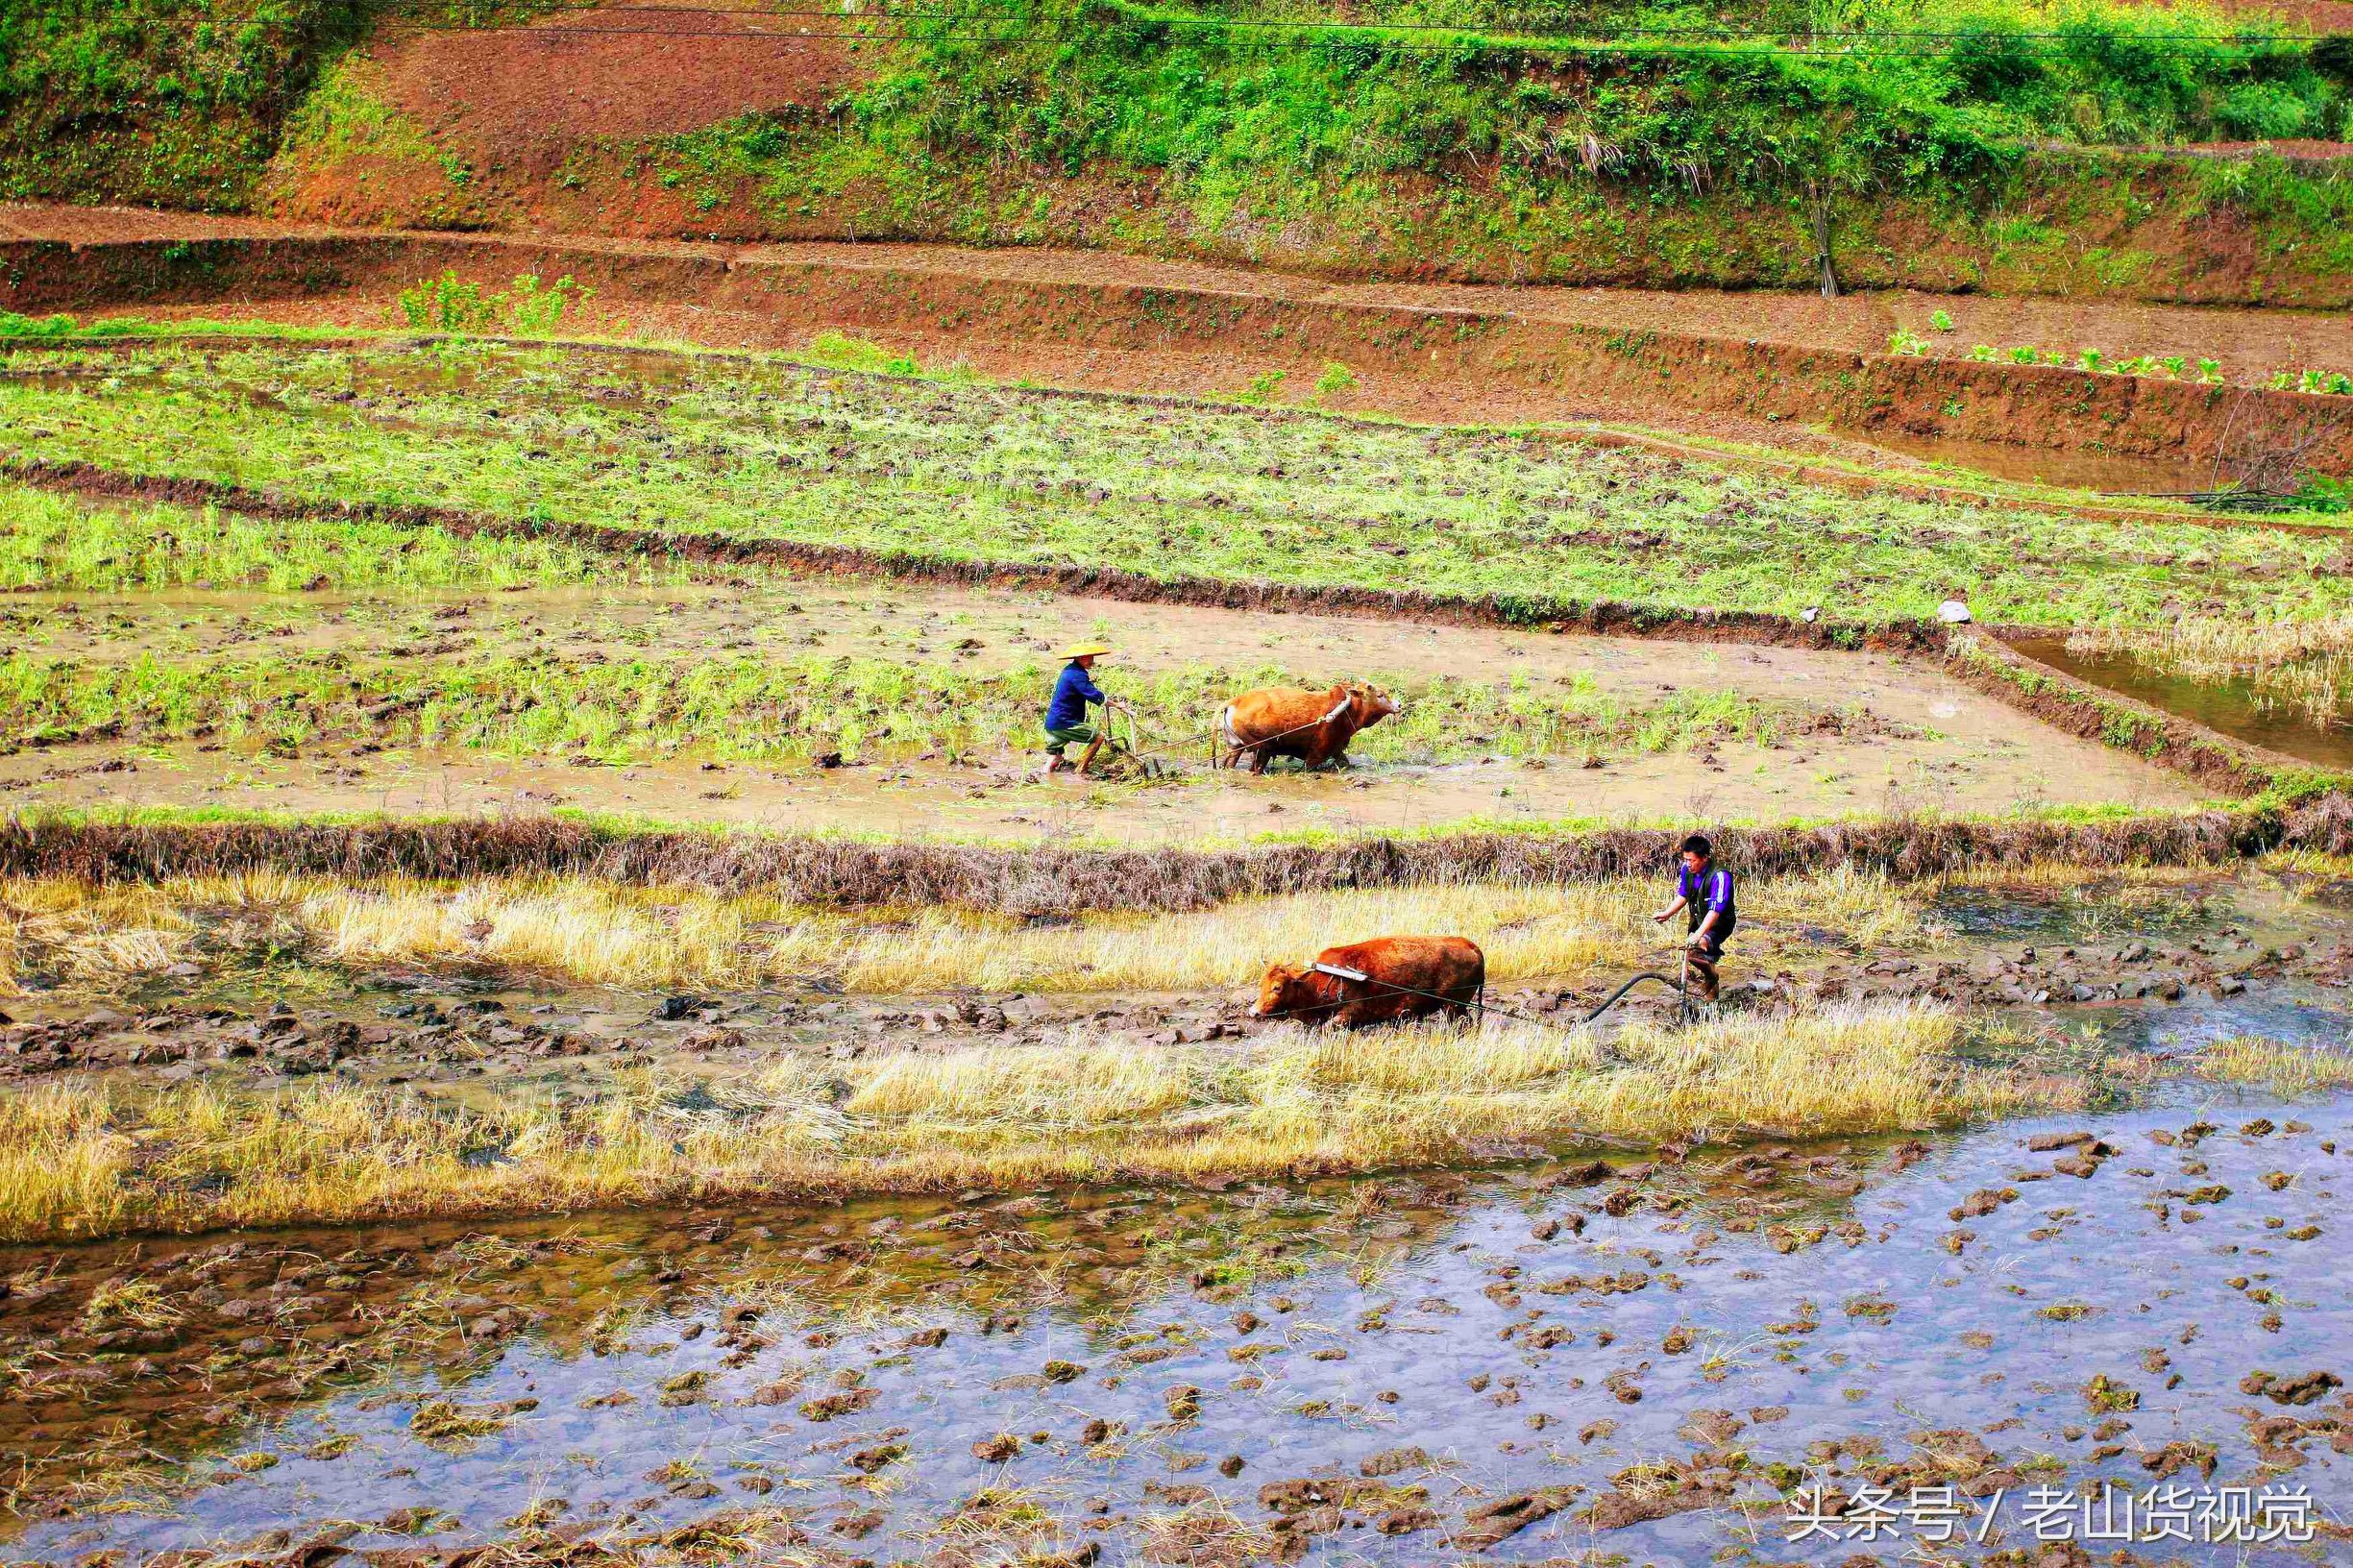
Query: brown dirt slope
[(1750, 367), (489, 119), (640, 70)]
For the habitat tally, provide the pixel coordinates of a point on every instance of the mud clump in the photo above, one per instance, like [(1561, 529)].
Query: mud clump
[(849, 1402), (2306, 1388), (1490, 1524), (1392, 1461)]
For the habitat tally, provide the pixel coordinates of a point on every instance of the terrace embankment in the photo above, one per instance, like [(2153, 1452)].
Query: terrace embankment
[(1050, 879), (1731, 365)]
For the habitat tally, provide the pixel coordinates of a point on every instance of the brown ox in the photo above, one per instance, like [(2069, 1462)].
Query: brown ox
[(1287, 721), (1405, 977)]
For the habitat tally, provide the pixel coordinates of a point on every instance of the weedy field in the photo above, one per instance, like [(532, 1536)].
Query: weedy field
[(337, 664)]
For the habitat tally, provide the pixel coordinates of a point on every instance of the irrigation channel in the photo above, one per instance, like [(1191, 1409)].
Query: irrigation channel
[(1640, 1354), (2229, 706)]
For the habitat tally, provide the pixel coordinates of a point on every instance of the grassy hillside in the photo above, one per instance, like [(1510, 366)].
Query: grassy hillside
[(1959, 142), (1938, 142), (175, 103), (153, 100)]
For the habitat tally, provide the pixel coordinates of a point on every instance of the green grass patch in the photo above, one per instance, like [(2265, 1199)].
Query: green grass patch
[(767, 709), (750, 449), (53, 542)]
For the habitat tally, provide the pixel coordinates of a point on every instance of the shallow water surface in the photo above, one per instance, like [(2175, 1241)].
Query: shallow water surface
[(1356, 1371), (2229, 706)]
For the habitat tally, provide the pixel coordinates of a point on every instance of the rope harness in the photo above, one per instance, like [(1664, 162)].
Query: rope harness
[(1227, 756), (1687, 1011), (1235, 747)]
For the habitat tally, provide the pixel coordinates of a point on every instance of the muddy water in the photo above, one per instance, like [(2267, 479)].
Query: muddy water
[(1148, 1369), (1000, 798), (2229, 706), (1957, 750)]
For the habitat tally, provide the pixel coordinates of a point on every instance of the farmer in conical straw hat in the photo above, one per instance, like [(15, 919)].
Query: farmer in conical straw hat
[(1065, 717)]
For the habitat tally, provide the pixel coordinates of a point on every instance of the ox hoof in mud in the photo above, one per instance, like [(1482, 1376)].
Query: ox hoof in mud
[(1288, 722), (1377, 982)]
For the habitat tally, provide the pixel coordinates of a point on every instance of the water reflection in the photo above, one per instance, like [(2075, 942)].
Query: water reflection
[(1615, 1353), (2231, 707)]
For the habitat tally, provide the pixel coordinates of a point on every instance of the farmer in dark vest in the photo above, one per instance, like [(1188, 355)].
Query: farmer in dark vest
[(1066, 716), (1704, 889)]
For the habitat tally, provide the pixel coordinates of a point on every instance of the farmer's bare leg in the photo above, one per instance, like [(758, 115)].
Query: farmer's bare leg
[(1059, 740), (1702, 972)]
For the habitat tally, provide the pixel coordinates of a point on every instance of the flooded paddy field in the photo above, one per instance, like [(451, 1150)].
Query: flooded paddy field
[(2236, 704), (1593, 1359), (501, 1216), (908, 709), (1657, 1349)]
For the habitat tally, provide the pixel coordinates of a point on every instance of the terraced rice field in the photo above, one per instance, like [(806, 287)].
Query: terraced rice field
[(560, 828)]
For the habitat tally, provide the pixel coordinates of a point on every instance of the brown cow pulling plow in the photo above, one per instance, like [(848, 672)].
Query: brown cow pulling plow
[(1377, 982), (1287, 721)]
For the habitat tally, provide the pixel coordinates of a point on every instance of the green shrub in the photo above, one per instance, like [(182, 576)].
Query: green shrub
[(450, 304), (1264, 386), (1335, 379), (846, 353)]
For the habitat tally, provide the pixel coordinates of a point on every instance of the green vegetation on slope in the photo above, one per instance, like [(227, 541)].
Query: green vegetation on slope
[(1540, 526), (1948, 143), (177, 102), (1672, 159), (1075, 82), (166, 101)]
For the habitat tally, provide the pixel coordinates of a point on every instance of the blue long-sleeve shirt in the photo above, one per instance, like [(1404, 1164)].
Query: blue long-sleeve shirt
[(1071, 695)]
